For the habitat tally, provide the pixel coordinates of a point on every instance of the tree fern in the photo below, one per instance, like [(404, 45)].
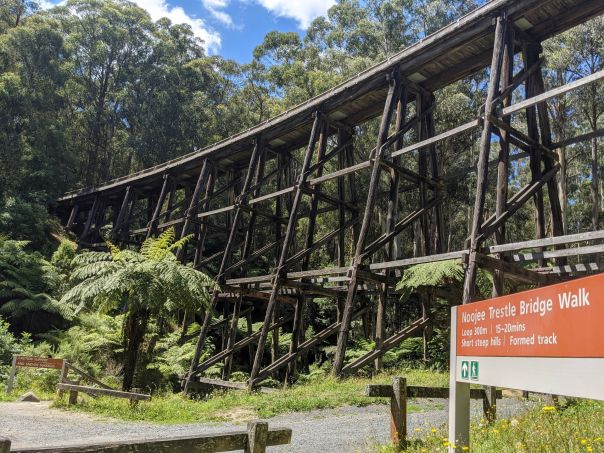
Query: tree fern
[(435, 274), (142, 284), (28, 284)]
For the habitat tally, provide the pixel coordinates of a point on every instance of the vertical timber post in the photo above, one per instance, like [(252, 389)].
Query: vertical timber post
[(391, 247), (192, 210), (151, 230), (389, 108), (483, 160)]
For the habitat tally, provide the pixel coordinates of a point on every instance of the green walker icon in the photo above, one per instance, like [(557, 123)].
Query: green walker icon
[(474, 371), (465, 368)]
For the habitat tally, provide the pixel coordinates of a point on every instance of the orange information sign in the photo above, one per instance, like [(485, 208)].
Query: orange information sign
[(38, 362), (564, 320)]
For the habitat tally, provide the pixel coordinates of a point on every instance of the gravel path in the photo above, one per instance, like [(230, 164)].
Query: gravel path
[(346, 429)]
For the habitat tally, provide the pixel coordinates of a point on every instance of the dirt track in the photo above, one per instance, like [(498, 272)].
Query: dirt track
[(346, 429)]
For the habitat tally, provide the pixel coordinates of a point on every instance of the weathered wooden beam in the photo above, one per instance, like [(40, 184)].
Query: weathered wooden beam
[(512, 270), (103, 392), (572, 269), (547, 242), (413, 391), (578, 139), (386, 345), (160, 202), (534, 100), (516, 202), (254, 440), (389, 109), (544, 255), (438, 138), (419, 260), (483, 158), (245, 341), (305, 346)]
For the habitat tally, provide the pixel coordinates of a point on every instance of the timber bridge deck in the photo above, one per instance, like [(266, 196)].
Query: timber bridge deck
[(253, 201)]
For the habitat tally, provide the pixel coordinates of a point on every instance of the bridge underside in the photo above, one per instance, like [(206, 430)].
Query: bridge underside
[(278, 213)]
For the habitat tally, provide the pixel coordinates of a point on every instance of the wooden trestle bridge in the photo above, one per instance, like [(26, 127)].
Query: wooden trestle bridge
[(253, 200)]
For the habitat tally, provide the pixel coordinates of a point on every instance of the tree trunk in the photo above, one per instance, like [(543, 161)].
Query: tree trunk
[(595, 199), (562, 189), (135, 327)]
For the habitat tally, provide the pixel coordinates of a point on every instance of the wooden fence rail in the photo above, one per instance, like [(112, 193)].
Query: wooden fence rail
[(255, 440), (74, 389), (399, 392)]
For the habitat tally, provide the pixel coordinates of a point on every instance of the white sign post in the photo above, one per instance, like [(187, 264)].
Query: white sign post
[(545, 340)]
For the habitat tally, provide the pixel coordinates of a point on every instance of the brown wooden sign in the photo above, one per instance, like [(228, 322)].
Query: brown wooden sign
[(32, 362), (39, 362)]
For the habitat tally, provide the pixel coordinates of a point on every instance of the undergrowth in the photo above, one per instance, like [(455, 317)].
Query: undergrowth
[(577, 427)]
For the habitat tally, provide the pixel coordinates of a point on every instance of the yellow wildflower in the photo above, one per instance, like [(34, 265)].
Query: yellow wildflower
[(549, 409)]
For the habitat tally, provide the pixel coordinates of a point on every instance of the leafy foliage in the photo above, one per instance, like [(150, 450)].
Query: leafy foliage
[(151, 279), (147, 284), (27, 287)]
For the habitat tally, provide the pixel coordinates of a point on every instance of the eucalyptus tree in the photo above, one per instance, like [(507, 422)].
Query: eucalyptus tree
[(106, 42)]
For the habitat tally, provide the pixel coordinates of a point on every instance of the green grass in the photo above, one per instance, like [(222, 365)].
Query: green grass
[(236, 405), (576, 428)]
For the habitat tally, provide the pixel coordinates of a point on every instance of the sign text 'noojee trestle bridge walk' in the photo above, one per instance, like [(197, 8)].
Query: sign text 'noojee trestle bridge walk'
[(546, 340)]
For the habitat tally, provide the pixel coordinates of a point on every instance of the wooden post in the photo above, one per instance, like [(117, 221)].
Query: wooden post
[(11, 378), (170, 206), (507, 71), (398, 411), (4, 445), (134, 401), (257, 437), (483, 160), (546, 140), (73, 395), (122, 213), (504, 156), (536, 158), (72, 217), (63, 377), (389, 108), (391, 248), (489, 403), (89, 221), (160, 202), (397, 392), (203, 228), (190, 213)]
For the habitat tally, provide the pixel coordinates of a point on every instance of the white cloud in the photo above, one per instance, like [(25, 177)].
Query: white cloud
[(160, 8), (303, 11), (214, 8), (47, 4)]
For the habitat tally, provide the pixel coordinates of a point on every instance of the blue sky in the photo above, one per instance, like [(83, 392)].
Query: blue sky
[(232, 28)]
